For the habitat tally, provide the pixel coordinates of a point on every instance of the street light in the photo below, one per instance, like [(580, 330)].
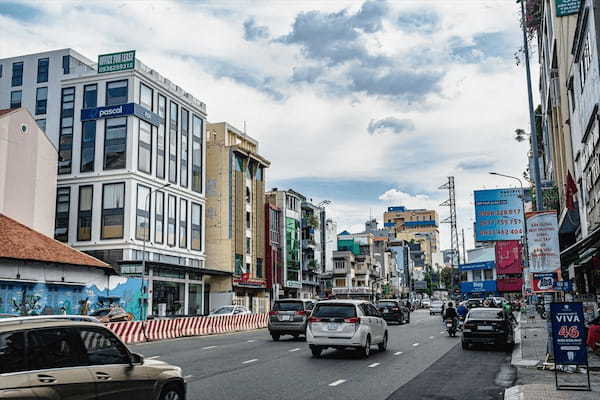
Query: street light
[(147, 209)]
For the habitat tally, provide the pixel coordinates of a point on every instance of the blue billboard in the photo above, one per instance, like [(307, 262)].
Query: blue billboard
[(568, 334), (478, 287), (121, 110), (477, 265), (498, 215)]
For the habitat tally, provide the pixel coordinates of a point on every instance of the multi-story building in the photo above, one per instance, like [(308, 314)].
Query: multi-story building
[(131, 169), (290, 203), (329, 232), (235, 221), (355, 272), (273, 258), (402, 281), (312, 247)]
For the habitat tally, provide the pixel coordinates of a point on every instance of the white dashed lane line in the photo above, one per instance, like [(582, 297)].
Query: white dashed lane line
[(153, 358), (250, 361), (251, 341), (293, 350), (415, 344), (397, 353), (374, 365), (431, 337), (208, 347), (338, 382)]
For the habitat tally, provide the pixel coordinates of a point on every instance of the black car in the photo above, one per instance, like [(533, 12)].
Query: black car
[(394, 311), (473, 303), (487, 326)]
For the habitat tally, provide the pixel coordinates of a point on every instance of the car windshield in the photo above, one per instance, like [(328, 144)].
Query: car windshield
[(224, 310), (334, 311), (288, 306), (488, 314), (387, 304)]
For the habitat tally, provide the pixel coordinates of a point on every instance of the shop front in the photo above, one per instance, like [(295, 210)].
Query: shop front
[(251, 293)]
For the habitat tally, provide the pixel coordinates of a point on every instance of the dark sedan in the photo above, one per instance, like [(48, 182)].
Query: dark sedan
[(394, 311), (487, 326)]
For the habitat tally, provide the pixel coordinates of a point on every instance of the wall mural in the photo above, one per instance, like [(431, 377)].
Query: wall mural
[(32, 298)]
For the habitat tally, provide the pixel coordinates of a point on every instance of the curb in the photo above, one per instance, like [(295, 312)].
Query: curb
[(517, 354), (513, 393)]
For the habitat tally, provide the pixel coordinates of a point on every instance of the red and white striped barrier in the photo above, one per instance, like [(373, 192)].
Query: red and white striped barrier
[(160, 329)]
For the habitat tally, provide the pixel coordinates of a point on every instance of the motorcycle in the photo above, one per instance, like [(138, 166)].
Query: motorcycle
[(541, 310), (451, 327)]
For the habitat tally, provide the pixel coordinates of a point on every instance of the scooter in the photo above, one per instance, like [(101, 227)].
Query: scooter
[(451, 327)]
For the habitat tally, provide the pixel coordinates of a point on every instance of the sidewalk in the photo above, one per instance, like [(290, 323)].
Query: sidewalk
[(535, 383)]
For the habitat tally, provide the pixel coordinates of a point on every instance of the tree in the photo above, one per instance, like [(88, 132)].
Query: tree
[(446, 277)]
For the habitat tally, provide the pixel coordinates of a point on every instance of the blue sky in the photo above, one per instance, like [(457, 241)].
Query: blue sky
[(364, 103)]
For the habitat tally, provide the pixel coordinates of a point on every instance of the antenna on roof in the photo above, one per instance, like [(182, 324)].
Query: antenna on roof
[(244, 127)]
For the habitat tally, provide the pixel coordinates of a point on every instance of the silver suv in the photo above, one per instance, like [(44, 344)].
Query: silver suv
[(60, 357), (289, 317)]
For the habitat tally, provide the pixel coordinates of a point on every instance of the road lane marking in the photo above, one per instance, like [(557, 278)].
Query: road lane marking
[(292, 350), (338, 382), (251, 341), (152, 358), (431, 337), (397, 353), (373, 365), (250, 361), (415, 344), (208, 347)]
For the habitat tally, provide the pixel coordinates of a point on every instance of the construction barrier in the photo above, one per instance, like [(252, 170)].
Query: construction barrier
[(161, 329)]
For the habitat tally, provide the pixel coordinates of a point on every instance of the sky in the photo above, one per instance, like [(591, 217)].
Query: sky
[(367, 104)]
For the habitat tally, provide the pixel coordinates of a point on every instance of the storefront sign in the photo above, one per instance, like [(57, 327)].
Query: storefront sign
[(542, 238), (544, 282), (249, 283), (567, 7), (509, 284), (478, 287), (121, 110), (352, 290), (477, 266), (508, 257), (498, 215), (113, 62), (293, 284), (568, 334)]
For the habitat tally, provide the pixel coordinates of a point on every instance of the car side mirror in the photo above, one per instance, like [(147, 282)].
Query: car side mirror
[(136, 359)]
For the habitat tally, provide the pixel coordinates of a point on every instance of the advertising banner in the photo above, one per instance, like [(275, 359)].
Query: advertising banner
[(509, 258), (478, 287), (542, 239), (565, 286), (116, 61), (568, 334), (476, 266), (567, 7), (498, 215), (544, 282), (509, 284), (420, 285)]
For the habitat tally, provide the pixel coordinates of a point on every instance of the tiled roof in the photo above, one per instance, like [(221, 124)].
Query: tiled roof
[(18, 241)]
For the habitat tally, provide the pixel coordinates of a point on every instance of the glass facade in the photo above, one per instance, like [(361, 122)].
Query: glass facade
[(84, 213), (41, 100), (42, 70), (88, 146), (168, 298), (142, 215), (65, 140), (145, 147), (17, 74), (90, 96), (61, 221), (161, 137), (197, 130), (292, 229), (171, 220), (183, 224), (196, 227), (113, 210), (183, 169), (15, 98), (159, 217), (173, 116), (115, 143), (116, 92)]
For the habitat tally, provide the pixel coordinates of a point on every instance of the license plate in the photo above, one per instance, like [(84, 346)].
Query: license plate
[(485, 328), (449, 325), (286, 317), (386, 311), (332, 326)]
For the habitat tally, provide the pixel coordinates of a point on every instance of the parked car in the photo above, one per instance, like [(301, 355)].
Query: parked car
[(230, 310), (394, 311), (48, 357), (346, 323), (289, 317), (115, 314), (425, 303), (437, 307), (487, 326)]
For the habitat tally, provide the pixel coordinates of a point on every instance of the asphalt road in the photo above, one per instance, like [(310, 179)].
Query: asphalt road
[(250, 366)]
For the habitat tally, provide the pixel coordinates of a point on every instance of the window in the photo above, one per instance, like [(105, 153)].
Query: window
[(173, 142), (171, 221), (291, 203), (196, 227), (41, 100), (248, 195), (102, 347), (160, 146), (113, 210), (12, 352), (185, 121), (260, 173), (477, 275), (65, 140), (54, 348), (17, 73), (116, 92), (488, 274), (248, 245), (88, 146), (183, 223), (84, 213), (159, 217), (66, 65), (61, 219), (15, 98), (115, 143), (145, 147), (146, 97), (248, 220), (42, 70), (142, 214), (41, 123), (1, 67), (90, 96), (197, 134), (259, 268), (238, 264), (585, 59)]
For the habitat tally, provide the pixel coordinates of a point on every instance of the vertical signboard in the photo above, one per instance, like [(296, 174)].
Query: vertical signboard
[(508, 257), (568, 334), (542, 239), (567, 7), (498, 215), (116, 61)]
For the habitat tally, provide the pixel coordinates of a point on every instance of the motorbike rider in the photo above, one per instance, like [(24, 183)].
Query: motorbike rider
[(450, 313), (462, 310)]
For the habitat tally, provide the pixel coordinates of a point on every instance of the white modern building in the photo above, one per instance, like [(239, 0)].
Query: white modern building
[(131, 171)]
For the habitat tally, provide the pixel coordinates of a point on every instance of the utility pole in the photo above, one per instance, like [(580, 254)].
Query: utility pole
[(451, 202), (464, 256)]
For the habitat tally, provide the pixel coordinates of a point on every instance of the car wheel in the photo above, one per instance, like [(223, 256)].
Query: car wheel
[(275, 337), (400, 321), (383, 345), (465, 346), (171, 392), (366, 351), (316, 351)]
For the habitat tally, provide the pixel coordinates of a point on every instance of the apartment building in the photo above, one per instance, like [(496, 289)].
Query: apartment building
[(131, 170), (329, 246), (355, 271), (312, 247), (235, 230), (273, 252)]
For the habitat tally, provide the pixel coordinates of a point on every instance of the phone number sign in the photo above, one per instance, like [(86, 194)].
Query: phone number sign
[(568, 334)]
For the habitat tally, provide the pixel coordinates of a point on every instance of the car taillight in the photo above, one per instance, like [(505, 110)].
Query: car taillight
[(354, 320), (314, 319), (395, 309), (300, 312), (273, 313)]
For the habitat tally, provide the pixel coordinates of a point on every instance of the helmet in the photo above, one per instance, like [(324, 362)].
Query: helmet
[(450, 304)]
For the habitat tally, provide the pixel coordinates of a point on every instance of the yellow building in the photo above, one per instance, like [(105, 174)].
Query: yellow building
[(235, 218), (420, 225)]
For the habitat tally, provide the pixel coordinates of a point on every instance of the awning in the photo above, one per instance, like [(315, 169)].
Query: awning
[(177, 267), (582, 251)]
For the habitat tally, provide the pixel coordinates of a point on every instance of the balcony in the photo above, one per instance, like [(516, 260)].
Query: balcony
[(308, 244)]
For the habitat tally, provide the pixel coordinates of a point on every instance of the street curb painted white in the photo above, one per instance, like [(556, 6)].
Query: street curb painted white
[(513, 393), (517, 354)]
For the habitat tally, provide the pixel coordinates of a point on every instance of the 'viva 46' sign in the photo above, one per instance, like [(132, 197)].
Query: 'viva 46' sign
[(568, 334)]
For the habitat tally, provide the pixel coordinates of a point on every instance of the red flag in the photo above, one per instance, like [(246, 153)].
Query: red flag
[(570, 190)]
